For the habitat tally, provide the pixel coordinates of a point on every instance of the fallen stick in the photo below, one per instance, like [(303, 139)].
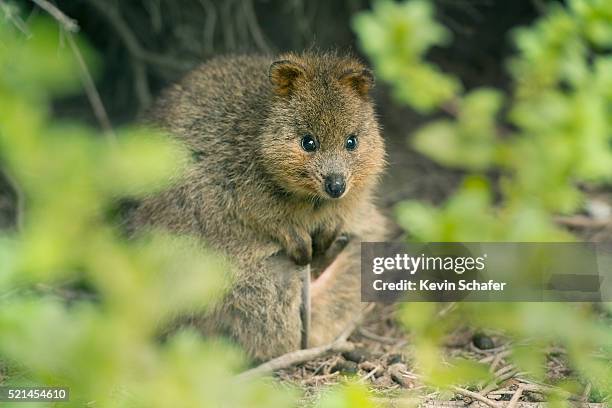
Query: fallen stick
[(496, 361), (476, 396), (581, 221), (515, 398), (341, 344), (373, 336), (500, 378), (547, 390), (492, 357), (295, 357)]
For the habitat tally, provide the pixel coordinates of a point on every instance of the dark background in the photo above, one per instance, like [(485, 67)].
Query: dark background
[(146, 44)]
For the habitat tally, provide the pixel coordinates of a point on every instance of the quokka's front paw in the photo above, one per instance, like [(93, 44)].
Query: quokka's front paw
[(323, 239), (301, 255)]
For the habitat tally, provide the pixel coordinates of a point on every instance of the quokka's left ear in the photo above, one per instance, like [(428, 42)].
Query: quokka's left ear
[(360, 80)]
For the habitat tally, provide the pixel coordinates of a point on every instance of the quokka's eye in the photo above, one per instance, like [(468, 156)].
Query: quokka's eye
[(351, 142), (308, 143)]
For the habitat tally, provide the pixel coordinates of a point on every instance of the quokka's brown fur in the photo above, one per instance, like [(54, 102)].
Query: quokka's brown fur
[(254, 193)]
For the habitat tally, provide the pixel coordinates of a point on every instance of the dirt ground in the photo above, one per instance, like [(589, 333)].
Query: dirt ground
[(383, 358)]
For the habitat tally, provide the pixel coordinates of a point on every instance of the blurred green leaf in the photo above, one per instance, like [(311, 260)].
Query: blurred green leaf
[(350, 396), (553, 131), (396, 36), (104, 341)]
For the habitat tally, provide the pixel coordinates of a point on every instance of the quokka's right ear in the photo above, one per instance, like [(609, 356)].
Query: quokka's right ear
[(360, 80), (283, 75)]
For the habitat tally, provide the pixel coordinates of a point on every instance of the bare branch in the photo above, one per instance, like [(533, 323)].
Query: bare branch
[(515, 398), (67, 23), (476, 396), (92, 92), (581, 221), (381, 339), (71, 27), (295, 357), (11, 13)]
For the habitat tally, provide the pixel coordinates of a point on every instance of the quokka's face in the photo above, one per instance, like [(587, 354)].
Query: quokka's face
[(324, 141)]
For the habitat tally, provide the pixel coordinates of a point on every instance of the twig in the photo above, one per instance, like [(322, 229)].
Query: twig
[(296, 357), (504, 391), (581, 221), (317, 379), (490, 358), (447, 309), (373, 336), (11, 13), (92, 92), (370, 374), (139, 55), (504, 370), (476, 396), (141, 84), (71, 26), (487, 351), (493, 384), (515, 397), (400, 375), (498, 358), (547, 389), (68, 23)]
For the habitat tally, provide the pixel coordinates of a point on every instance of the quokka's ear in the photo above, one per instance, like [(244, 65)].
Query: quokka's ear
[(283, 75), (360, 80)]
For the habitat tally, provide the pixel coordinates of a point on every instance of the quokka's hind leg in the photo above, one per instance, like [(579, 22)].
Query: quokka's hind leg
[(261, 312), (336, 294)]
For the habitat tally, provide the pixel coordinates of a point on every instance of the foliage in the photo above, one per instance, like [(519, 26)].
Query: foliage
[(104, 343), (396, 35), (552, 131)]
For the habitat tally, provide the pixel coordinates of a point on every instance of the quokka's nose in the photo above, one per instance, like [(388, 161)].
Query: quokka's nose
[(335, 185)]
